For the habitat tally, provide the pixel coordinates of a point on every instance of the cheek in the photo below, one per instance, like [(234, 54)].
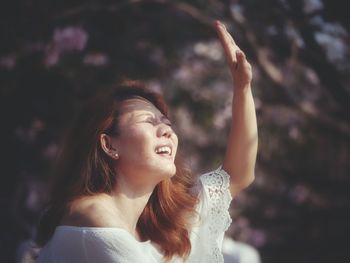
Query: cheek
[(136, 142), (176, 141)]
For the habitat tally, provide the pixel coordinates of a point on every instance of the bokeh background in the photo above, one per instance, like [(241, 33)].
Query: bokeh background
[(56, 54)]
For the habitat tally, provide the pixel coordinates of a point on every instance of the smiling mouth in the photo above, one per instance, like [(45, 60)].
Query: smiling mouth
[(164, 151)]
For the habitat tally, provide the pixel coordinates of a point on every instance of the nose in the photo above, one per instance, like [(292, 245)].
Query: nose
[(164, 130)]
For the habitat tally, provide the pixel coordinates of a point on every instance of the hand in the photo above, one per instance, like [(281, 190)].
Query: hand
[(240, 68)]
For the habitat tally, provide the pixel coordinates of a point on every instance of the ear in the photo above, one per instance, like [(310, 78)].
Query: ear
[(107, 146)]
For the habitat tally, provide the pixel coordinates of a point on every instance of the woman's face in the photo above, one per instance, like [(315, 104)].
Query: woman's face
[(146, 143)]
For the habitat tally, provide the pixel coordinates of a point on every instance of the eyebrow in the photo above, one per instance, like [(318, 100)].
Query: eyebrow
[(145, 113), (163, 117)]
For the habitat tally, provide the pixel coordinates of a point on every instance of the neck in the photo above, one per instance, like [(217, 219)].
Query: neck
[(130, 200)]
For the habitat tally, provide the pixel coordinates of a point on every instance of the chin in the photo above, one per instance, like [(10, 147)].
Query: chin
[(173, 172), (167, 172)]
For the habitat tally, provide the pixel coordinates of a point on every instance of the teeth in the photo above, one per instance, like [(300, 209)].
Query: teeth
[(164, 149)]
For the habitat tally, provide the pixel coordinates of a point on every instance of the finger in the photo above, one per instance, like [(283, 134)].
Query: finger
[(240, 56), (241, 60), (222, 31), (229, 36), (227, 42), (223, 35)]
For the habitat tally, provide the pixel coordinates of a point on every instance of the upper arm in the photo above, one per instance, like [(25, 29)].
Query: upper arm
[(238, 183), (235, 189)]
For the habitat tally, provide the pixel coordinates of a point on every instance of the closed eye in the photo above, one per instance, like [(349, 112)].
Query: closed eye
[(151, 120), (154, 121), (166, 121)]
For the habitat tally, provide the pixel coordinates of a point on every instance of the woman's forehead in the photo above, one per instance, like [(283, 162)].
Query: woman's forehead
[(138, 104)]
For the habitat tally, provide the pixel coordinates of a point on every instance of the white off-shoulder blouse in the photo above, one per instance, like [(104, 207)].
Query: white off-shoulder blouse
[(70, 244)]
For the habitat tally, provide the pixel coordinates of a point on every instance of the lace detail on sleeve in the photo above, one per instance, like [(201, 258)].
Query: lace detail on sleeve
[(216, 186)]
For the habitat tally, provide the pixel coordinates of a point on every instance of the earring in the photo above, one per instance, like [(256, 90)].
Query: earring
[(116, 155)]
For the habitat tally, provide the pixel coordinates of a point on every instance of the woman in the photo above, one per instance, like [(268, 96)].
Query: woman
[(122, 194)]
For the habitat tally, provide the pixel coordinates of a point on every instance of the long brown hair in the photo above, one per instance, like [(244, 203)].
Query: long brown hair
[(84, 169)]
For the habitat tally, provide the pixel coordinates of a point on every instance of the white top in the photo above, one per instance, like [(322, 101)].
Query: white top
[(235, 251), (70, 244)]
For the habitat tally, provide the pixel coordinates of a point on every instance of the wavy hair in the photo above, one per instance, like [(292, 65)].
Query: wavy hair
[(83, 169)]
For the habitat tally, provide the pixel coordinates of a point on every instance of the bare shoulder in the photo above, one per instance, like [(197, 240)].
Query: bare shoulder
[(92, 211)]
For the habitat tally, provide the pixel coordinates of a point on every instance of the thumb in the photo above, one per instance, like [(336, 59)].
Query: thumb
[(240, 57)]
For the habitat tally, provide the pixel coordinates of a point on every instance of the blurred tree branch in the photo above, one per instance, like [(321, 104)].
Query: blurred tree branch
[(187, 8), (315, 57), (262, 54)]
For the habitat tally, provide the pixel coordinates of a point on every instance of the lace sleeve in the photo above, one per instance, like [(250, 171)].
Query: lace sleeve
[(216, 191)]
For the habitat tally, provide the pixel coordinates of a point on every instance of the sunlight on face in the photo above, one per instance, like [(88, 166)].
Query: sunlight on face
[(146, 144)]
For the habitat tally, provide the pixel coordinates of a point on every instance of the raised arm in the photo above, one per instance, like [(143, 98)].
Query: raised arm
[(240, 157)]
